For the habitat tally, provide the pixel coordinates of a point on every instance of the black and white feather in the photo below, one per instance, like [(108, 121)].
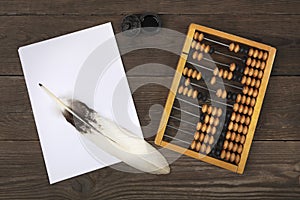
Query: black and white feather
[(111, 138)]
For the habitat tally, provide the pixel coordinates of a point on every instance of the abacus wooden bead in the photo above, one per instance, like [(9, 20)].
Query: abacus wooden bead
[(233, 135), (231, 46), (232, 157), (220, 72), (241, 108), (219, 92), (245, 130), (243, 118), (260, 74), (262, 65), (240, 148), (237, 159), (204, 108), (190, 92), (260, 55), (200, 37), (238, 98), (243, 139), (214, 111), (198, 145), (253, 63), (201, 138), (238, 117), (255, 54), (233, 116), (235, 127), (199, 125), (225, 74), (236, 48), (255, 93), (206, 138), (189, 73), (195, 94), (252, 103), (211, 120), (204, 127), (246, 110), (195, 54), (216, 71), (240, 128), (208, 130), (257, 83), (202, 47), (228, 135), (207, 48), (208, 149), (213, 80), (250, 92), (250, 52), (244, 79), (180, 89), (206, 119), (194, 43), (251, 71), (224, 94), (235, 107), (185, 90), (227, 156), (199, 76), (211, 140), (232, 67), (258, 63), (209, 109), (194, 74), (255, 73), (250, 111), (197, 46), (248, 61), (246, 70), (223, 153), (245, 89), (237, 138), (265, 56), (196, 135), (203, 148), (243, 100), (253, 82), (193, 145), (200, 56), (248, 100), (214, 130), (230, 75), (219, 112), (230, 146), (196, 35), (247, 121), (230, 125), (235, 147), (185, 71)]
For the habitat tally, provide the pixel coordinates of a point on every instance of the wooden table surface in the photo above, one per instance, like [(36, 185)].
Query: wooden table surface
[(273, 168)]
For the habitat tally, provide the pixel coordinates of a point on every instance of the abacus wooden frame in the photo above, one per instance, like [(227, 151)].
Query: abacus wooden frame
[(254, 118)]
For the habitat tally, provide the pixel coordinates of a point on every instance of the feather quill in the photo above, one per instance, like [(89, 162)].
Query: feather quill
[(111, 138)]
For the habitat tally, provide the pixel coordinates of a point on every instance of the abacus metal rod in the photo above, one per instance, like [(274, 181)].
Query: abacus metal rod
[(177, 139), (230, 85), (186, 112), (200, 86), (178, 129), (216, 42), (181, 120), (226, 55), (221, 103), (200, 66), (188, 102), (216, 62)]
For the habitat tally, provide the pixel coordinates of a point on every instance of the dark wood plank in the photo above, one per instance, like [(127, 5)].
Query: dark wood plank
[(272, 172), (96, 7), (281, 31), (279, 118)]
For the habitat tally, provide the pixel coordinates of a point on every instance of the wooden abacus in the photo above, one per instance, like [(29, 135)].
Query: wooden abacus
[(226, 118)]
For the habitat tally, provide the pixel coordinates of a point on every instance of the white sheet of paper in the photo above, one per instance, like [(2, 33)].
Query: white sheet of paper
[(56, 63)]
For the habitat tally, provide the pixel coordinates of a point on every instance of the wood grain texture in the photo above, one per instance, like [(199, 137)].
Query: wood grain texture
[(22, 170), (273, 167), (104, 7), (280, 31)]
